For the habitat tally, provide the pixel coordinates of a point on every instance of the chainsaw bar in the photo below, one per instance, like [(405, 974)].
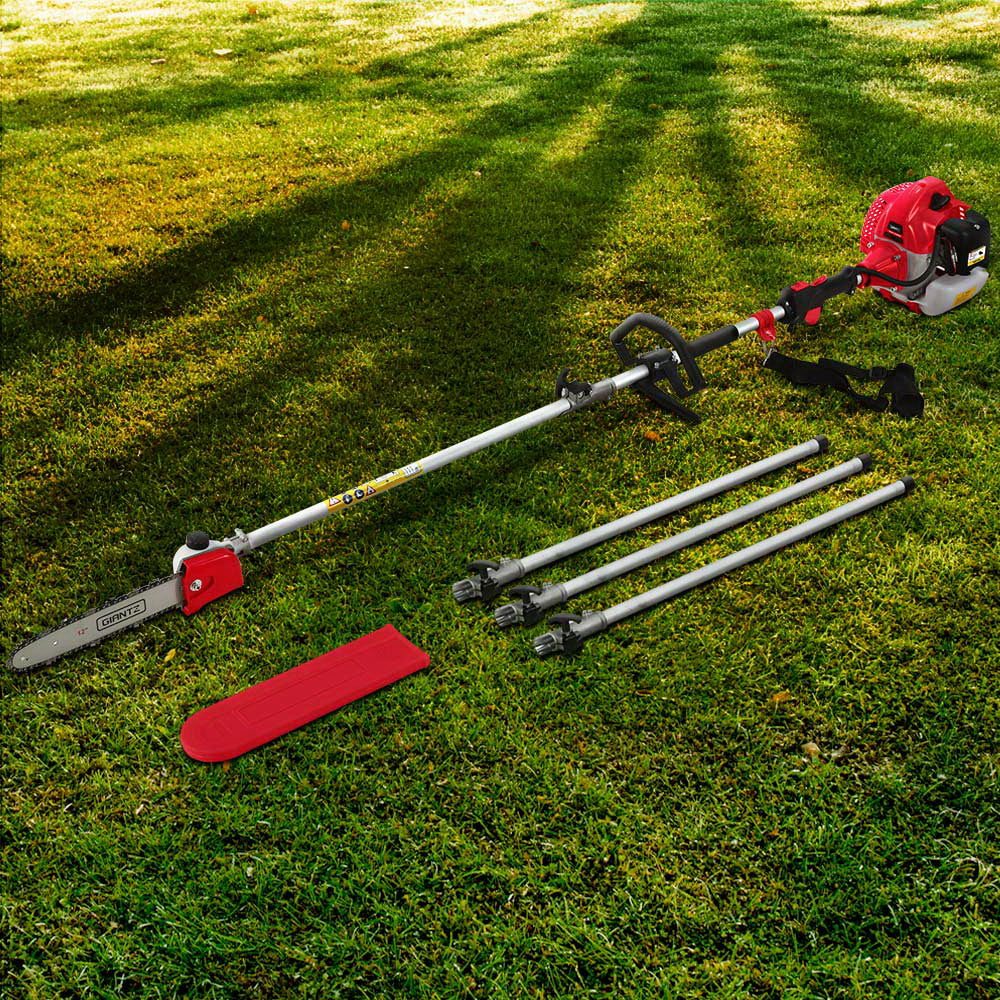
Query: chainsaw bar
[(117, 615)]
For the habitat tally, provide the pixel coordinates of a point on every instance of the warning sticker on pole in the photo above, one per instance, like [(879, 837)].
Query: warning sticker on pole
[(365, 491)]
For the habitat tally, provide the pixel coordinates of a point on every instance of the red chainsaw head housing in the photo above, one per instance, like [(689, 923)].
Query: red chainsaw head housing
[(930, 249)]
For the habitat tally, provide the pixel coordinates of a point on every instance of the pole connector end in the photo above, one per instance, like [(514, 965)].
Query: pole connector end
[(465, 590), (483, 584), (566, 640), (547, 644), (526, 610), (508, 615)]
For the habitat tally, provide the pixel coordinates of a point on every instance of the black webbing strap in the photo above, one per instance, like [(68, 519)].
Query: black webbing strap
[(898, 394)]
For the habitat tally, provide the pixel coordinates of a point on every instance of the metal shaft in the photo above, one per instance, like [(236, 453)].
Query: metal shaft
[(688, 498), (533, 606), (575, 632), (493, 578), (366, 490)]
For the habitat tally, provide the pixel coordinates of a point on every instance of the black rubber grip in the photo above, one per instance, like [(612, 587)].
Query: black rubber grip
[(798, 304), (647, 320), (710, 341)]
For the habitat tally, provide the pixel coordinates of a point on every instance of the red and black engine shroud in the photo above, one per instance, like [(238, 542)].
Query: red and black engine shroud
[(922, 248)]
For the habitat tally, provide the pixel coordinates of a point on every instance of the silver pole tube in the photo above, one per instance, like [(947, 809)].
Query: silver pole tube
[(601, 391), (594, 622), (499, 576), (653, 512), (753, 552), (554, 594), (366, 490)]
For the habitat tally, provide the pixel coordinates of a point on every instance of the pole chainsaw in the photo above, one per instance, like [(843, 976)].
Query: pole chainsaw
[(922, 247)]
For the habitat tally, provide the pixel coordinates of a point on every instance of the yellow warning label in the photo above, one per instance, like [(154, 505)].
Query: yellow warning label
[(365, 491), (964, 296)]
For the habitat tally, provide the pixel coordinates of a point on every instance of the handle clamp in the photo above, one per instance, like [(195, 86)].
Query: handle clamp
[(575, 392), (670, 363), (570, 640)]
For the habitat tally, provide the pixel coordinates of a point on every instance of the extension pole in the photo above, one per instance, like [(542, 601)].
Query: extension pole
[(243, 542), (576, 629), (536, 601), (492, 577), (569, 402)]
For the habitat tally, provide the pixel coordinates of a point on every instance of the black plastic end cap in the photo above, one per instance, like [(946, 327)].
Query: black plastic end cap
[(824, 443), (909, 485), (197, 540), (866, 461)]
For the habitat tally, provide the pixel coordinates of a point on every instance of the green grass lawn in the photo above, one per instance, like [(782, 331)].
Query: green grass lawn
[(234, 284)]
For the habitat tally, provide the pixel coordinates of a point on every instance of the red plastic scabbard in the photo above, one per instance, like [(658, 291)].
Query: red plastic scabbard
[(274, 707), (208, 576)]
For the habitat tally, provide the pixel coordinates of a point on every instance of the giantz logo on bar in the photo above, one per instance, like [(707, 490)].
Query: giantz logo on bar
[(119, 615)]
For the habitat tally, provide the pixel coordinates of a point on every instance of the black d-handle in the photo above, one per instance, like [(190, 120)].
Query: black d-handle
[(661, 364)]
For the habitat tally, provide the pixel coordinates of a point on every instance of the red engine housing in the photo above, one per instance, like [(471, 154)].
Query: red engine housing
[(922, 249), (905, 218)]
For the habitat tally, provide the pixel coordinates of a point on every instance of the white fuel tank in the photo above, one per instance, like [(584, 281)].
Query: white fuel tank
[(947, 292)]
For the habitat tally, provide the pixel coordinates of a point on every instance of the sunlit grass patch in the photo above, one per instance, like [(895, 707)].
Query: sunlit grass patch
[(237, 281)]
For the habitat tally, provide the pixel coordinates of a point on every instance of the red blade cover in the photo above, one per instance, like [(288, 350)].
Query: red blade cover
[(276, 706)]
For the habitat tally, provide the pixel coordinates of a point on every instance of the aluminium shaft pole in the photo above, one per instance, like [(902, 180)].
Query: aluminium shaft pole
[(535, 601), (243, 542), (576, 629), (492, 577), (364, 491)]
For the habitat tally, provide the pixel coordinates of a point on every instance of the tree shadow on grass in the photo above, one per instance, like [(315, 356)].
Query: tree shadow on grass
[(169, 284), (179, 276), (142, 108), (491, 306), (466, 304)]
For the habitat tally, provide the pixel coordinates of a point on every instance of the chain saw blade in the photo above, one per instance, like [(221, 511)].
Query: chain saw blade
[(92, 627)]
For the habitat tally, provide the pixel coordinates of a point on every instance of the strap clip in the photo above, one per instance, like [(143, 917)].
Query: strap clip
[(765, 324)]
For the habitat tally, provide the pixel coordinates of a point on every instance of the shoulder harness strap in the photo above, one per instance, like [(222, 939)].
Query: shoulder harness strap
[(898, 393)]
